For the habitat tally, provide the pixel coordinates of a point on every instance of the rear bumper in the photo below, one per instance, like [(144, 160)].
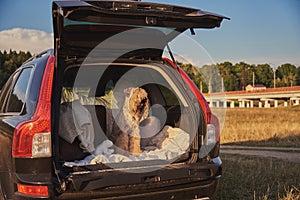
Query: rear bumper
[(189, 181), (186, 181), (190, 191)]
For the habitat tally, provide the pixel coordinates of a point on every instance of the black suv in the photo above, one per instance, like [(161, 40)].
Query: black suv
[(104, 115)]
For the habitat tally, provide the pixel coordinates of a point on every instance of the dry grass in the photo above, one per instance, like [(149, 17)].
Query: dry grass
[(261, 126), (255, 178), (249, 177)]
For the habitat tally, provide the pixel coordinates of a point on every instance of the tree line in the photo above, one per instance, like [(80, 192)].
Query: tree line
[(224, 76), (227, 76), (9, 62)]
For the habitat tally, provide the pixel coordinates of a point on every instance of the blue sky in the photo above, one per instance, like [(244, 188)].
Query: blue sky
[(260, 31)]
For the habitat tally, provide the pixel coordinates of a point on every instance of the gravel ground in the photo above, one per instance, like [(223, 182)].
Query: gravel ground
[(290, 154)]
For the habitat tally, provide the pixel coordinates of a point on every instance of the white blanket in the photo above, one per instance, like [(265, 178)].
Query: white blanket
[(175, 145)]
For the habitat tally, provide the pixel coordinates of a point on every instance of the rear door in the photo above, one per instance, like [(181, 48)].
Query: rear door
[(13, 110), (79, 26)]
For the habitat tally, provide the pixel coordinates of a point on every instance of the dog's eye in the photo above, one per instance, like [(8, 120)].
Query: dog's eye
[(144, 100)]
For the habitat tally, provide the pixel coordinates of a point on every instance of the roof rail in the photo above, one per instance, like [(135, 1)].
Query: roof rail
[(43, 53)]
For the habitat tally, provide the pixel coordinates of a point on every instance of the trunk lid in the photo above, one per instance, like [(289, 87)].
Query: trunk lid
[(79, 26)]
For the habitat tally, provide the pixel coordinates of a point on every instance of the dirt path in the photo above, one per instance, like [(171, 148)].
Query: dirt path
[(274, 152)]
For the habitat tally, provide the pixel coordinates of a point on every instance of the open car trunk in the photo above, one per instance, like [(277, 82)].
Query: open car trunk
[(124, 102), (165, 133), (122, 116)]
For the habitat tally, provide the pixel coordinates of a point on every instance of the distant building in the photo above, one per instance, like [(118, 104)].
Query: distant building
[(250, 88)]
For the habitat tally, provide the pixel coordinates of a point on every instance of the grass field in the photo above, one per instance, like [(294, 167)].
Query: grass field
[(248, 177), (262, 126), (256, 178)]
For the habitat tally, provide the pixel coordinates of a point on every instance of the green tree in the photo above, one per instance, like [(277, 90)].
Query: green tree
[(264, 75), (229, 75), (288, 75), (298, 75), (241, 70), (194, 73), (238, 76), (9, 62), (212, 78)]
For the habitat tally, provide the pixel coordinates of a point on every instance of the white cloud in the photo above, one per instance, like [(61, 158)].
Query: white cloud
[(17, 39)]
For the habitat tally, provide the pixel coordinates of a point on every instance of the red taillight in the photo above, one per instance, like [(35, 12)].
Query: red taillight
[(216, 123), (32, 138), (33, 190)]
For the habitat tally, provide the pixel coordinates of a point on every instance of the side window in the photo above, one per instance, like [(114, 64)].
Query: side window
[(4, 93), (18, 96), (169, 96)]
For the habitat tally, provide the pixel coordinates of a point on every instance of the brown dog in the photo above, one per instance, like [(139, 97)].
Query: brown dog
[(126, 132)]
